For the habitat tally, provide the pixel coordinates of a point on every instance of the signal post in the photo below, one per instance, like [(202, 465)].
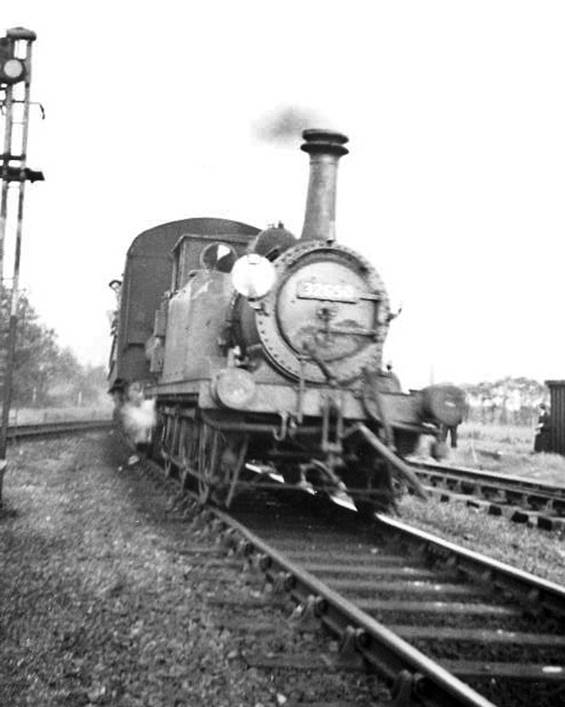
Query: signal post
[(15, 82)]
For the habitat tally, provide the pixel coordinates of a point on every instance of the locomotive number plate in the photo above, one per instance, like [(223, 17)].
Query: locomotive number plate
[(326, 291)]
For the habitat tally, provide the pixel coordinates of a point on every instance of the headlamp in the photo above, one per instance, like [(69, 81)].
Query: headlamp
[(253, 275)]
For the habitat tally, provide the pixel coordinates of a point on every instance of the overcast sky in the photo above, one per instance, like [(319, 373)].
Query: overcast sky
[(454, 188)]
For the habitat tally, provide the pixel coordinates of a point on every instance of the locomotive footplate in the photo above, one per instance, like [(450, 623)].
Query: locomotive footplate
[(402, 410)]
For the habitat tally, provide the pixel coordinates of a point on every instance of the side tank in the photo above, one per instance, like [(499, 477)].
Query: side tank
[(196, 318)]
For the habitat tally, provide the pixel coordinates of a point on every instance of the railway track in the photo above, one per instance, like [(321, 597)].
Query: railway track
[(53, 429), (442, 624), (520, 499)]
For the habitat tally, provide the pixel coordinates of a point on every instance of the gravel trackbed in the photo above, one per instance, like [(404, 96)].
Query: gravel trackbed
[(101, 602)]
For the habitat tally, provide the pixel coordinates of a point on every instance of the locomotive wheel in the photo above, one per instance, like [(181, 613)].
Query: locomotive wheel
[(170, 444), (156, 445), (168, 466), (188, 450), (220, 459), (232, 460), (164, 446), (207, 461)]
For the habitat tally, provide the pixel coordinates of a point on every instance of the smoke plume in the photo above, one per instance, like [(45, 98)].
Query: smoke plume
[(286, 124)]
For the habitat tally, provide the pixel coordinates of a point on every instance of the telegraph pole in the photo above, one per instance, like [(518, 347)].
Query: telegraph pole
[(15, 68)]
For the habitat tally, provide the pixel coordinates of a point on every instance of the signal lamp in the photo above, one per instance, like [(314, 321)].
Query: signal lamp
[(12, 69), (234, 387), (253, 275)]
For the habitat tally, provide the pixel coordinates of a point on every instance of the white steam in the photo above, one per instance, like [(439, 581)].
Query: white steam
[(139, 418)]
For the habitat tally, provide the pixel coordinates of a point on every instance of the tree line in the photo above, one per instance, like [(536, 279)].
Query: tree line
[(505, 401), (45, 374)]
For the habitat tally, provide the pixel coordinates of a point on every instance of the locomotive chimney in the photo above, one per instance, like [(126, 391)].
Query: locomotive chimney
[(325, 148)]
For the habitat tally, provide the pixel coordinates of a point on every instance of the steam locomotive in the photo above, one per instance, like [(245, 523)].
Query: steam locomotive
[(263, 355)]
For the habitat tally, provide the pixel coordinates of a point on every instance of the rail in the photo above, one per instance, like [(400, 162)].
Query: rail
[(519, 498), (50, 429)]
